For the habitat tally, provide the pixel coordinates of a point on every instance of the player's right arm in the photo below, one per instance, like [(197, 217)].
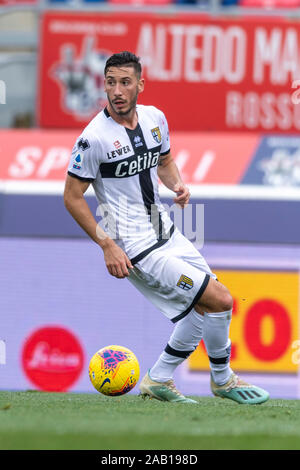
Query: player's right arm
[(115, 258)]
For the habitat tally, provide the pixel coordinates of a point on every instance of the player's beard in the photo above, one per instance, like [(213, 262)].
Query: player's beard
[(132, 105)]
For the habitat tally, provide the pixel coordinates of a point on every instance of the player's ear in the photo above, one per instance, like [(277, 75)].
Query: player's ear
[(141, 85)]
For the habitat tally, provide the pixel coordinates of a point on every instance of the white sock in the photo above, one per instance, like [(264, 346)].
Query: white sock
[(185, 338), (218, 344)]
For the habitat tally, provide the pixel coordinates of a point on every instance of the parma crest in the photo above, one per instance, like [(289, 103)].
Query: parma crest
[(185, 282), (156, 134)]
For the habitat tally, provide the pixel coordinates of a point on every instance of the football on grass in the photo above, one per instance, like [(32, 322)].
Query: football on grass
[(114, 370)]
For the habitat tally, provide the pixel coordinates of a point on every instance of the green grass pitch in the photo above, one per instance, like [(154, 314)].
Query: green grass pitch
[(40, 420)]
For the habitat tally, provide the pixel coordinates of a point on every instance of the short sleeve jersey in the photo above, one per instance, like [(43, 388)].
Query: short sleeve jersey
[(122, 164)]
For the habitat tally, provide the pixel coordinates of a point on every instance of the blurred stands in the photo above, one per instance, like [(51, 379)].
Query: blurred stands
[(18, 58), (270, 3), (140, 2)]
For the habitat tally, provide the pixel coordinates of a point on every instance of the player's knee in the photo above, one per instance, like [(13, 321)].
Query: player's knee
[(216, 298), (223, 302), (226, 302)]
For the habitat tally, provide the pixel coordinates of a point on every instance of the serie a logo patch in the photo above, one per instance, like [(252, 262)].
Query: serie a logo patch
[(77, 162), (185, 282)]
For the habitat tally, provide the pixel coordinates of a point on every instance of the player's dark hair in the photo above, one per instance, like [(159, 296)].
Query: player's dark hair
[(124, 58)]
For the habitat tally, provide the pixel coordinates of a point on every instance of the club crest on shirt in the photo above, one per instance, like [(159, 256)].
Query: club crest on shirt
[(156, 134), (185, 282), (77, 162)]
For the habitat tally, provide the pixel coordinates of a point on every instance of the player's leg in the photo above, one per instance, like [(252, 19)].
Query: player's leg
[(171, 285), (188, 332), (215, 306), (176, 279), (185, 338)]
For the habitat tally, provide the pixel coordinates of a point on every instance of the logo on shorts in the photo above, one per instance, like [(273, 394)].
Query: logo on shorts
[(185, 282), (156, 134)]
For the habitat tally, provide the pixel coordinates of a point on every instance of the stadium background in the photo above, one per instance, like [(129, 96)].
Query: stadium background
[(223, 73)]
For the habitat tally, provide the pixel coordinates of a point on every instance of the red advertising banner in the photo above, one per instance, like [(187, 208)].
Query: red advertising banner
[(43, 155), (205, 73)]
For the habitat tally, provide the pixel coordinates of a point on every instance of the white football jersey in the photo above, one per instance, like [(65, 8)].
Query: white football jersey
[(122, 164)]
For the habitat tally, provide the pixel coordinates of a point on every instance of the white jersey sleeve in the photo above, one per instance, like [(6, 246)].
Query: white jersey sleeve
[(85, 158), (165, 141)]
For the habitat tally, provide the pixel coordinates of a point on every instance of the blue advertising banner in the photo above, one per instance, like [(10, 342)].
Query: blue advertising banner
[(276, 162)]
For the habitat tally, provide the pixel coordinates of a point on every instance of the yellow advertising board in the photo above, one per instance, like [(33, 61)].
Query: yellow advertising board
[(265, 322)]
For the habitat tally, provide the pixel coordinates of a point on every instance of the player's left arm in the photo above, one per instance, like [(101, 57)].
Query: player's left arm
[(169, 175)]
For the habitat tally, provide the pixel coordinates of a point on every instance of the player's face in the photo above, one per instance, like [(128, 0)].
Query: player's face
[(122, 86)]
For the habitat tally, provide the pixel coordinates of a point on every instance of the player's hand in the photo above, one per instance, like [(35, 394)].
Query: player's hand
[(183, 195), (116, 260)]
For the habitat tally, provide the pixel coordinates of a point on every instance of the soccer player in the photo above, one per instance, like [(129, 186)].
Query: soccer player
[(122, 152)]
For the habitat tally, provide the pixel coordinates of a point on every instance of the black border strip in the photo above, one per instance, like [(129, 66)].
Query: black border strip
[(165, 153), (146, 252), (219, 360), (80, 177), (197, 297), (176, 353)]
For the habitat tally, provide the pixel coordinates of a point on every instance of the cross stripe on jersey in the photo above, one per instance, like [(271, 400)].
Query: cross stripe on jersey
[(138, 142)]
